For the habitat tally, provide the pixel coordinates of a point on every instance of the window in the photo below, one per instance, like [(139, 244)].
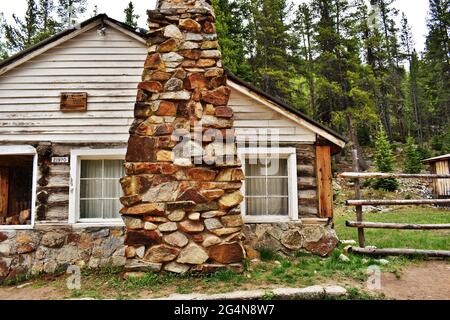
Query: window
[(18, 167), (95, 188), (270, 186), (100, 189)]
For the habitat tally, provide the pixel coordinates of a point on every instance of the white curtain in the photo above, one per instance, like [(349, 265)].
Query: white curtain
[(100, 189), (267, 187)]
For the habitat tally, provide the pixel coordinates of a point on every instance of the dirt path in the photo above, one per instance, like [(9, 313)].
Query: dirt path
[(426, 281)]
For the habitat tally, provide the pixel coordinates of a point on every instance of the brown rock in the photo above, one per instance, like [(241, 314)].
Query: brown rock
[(141, 149), (323, 247), (212, 194), (176, 267), (130, 252), (219, 96), (210, 44), (190, 25), (213, 214), (209, 206), (196, 81), (192, 195), (155, 219), (225, 231), (212, 224), (189, 226), (190, 54), (3, 237), (176, 239), (201, 174), (180, 205), (176, 215), (227, 253), (208, 27), (161, 253), (179, 74), (174, 84), (217, 82), (156, 209), (167, 108), (233, 174), (134, 185), (159, 75), (292, 239), (154, 61), (192, 254), (151, 86), (231, 200), (195, 216), (168, 46), (168, 227), (211, 240), (232, 221), (223, 112), (164, 156), (130, 201), (142, 238), (25, 248), (214, 72), (203, 63)]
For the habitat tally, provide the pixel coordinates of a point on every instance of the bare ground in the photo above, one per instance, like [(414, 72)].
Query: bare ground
[(428, 280)]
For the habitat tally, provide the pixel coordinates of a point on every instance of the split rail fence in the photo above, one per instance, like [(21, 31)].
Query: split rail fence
[(360, 224)]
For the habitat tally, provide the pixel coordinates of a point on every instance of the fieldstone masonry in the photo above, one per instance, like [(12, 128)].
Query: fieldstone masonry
[(182, 189)]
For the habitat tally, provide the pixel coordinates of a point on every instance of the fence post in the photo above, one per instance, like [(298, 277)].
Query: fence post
[(359, 211)]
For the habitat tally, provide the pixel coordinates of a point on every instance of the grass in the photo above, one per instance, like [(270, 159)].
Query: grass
[(384, 238)]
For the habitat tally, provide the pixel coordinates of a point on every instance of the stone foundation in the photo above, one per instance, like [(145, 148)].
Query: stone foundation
[(52, 249), (289, 238)]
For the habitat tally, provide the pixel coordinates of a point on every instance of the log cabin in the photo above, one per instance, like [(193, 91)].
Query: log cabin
[(66, 107)]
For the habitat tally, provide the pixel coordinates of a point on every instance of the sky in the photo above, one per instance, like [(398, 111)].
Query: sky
[(415, 10)]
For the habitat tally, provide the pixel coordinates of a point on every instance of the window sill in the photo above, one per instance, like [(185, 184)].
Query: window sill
[(268, 220), (106, 224), (16, 227)]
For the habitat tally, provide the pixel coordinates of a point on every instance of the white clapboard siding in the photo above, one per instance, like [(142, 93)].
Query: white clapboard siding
[(108, 68)]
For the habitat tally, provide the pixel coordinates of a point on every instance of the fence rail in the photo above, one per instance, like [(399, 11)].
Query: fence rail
[(359, 203)]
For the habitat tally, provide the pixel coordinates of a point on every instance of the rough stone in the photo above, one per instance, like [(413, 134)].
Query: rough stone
[(174, 84), (293, 239), (172, 31), (193, 254), (190, 25), (231, 200), (168, 46), (176, 239), (133, 223), (232, 221), (176, 215), (168, 227), (53, 239), (225, 231), (161, 253), (145, 209), (211, 240), (138, 238), (176, 267), (212, 224), (189, 226), (194, 216), (227, 253)]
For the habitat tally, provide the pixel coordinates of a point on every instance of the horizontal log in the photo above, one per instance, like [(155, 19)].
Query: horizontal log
[(396, 202), (400, 252), (381, 225), (379, 175)]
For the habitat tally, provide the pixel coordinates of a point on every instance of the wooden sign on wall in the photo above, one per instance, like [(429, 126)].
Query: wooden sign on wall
[(73, 101)]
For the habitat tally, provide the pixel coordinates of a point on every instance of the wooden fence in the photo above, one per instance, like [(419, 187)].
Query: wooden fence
[(360, 224)]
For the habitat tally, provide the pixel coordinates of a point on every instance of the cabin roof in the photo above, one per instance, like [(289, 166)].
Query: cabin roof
[(436, 159), (27, 54)]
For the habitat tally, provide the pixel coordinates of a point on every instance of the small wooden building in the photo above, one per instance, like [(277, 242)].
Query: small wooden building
[(66, 106), (440, 165)]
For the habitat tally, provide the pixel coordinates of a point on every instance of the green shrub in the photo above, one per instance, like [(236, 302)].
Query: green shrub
[(384, 160), (412, 158)]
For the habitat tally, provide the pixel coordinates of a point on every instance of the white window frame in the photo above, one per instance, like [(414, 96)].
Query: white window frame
[(23, 150), (76, 155), (291, 155)]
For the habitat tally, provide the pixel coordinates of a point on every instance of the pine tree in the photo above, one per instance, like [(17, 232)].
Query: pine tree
[(413, 162), (69, 11), (231, 34), (130, 17), (24, 34), (47, 24), (384, 160), (3, 48)]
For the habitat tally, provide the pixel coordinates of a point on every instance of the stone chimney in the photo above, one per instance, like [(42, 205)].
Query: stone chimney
[(182, 189)]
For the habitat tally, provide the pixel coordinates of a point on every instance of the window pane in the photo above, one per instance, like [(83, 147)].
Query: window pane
[(114, 169), (277, 167), (256, 206), (111, 189), (278, 206), (255, 187), (277, 186), (254, 170), (90, 189), (91, 168), (90, 209), (111, 209)]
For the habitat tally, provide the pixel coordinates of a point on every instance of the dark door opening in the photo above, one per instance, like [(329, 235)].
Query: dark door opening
[(16, 185)]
